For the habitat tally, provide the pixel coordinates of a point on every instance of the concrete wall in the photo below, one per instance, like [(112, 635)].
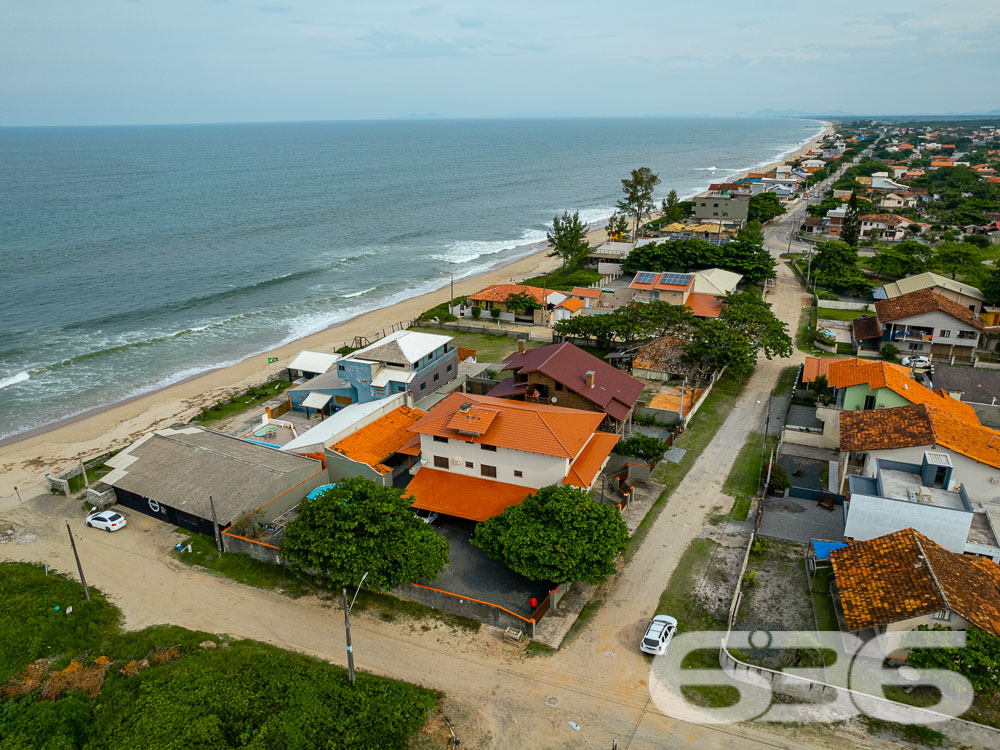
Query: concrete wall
[(485, 613), (869, 517), (286, 491), (838, 305), (662, 416), (828, 438), (342, 467), (718, 207), (260, 552), (538, 470)]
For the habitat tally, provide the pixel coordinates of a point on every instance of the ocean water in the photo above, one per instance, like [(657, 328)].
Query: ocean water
[(133, 257)]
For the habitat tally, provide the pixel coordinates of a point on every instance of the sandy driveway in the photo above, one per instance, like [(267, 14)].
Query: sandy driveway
[(500, 699)]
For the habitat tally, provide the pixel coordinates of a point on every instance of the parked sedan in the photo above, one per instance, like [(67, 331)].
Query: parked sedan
[(658, 634), (919, 361), (108, 520)]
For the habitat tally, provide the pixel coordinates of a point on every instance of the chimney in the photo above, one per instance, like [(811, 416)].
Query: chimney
[(464, 408), (408, 399), (520, 346), (590, 378)]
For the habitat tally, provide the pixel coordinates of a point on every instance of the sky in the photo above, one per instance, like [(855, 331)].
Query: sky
[(98, 62)]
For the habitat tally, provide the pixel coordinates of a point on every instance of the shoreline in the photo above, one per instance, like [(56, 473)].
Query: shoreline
[(26, 456)]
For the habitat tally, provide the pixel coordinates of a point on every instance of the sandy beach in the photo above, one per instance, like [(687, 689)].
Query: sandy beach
[(26, 458)]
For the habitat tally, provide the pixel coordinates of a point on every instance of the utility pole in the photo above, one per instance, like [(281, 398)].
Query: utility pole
[(83, 471), (451, 301), (347, 631), (79, 567), (215, 525)]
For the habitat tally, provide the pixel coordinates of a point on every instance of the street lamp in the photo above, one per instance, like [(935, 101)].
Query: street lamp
[(347, 627), (577, 728)]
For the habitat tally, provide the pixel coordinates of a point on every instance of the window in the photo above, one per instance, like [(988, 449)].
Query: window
[(449, 368), (488, 471), (491, 448), (437, 376), (341, 368), (558, 386), (468, 464), (439, 439), (944, 614), (869, 402), (518, 473), (715, 205), (944, 334), (423, 386), (440, 462)]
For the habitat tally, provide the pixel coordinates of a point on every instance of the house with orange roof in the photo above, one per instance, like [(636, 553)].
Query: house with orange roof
[(495, 298), (905, 433), (702, 291), (941, 163), (904, 580), (480, 455), (877, 384), (589, 296), (380, 450)]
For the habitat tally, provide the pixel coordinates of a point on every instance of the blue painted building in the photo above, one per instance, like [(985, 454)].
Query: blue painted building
[(402, 361)]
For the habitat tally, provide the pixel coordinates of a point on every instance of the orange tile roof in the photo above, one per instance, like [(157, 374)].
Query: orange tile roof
[(878, 374), (472, 421), (941, 164), (816, 367), (921, 301), (579, 291), (374, 443), (465, 353), (904, 574), (535, 428), (591, 459), (704, 305), (669, 398), (571, 304), (463, 496), (500, 292)]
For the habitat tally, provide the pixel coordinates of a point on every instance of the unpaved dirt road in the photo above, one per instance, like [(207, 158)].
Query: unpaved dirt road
[(499, 697)]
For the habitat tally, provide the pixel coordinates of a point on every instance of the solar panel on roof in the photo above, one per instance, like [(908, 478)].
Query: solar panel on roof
[(680, 279), (645, 278)]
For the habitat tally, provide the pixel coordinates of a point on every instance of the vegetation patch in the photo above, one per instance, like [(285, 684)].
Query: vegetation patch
[(829, 313), (171, 687), (241, 402), (490, 347), (746, 475), (564, 279)]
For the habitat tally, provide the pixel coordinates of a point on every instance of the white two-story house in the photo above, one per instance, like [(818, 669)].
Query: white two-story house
[(925, 322)]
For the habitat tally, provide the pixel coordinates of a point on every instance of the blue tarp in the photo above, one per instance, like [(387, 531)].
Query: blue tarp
[(823, 549), (319, 491)]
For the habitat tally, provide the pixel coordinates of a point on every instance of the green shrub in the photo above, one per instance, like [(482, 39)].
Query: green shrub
[(495, 312), (779, 478), (890, 352), (476, 312), (642, 446), (827, 337), (824, 294)]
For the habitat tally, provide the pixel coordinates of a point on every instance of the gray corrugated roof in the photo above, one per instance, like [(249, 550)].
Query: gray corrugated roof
[(182, 467), (979, 386)]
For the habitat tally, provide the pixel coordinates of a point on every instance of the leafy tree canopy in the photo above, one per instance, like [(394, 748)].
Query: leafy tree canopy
[(560, 534), (637, 199), (991, 289), (360, 526), (641, 446), (521, 303), (764, 207), (956, 257), (672, 208), (617, 226), (979, 661), (744, 256), (748, 314), (568, 238), (836, 267)]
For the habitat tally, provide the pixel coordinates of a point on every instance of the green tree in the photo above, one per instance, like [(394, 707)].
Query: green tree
[(359, 526), (764, 207), (904, 259), (978, 661), (748, 314), (714, 345), (672, 209), (991, 289), (851, 230), (521, 303), (559, 534), (641, 446), (638, 194), (957, 257), (617, 225), (836, 267), (752, 233), (568, 238)]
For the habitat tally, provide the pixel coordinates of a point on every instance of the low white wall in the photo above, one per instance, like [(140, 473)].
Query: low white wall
[(838, 305)]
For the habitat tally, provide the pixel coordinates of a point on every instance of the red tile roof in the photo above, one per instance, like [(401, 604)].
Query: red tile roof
[(815, 367), (921, 301), (465, 353), (535, 428), (704, 305), (614, 391), (579, 291), (571, 304), (904, 574), (588, 464), (377, 441), (500, 292), (460, 495)]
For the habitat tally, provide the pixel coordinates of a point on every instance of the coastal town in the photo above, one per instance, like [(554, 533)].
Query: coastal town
[(772, 406)]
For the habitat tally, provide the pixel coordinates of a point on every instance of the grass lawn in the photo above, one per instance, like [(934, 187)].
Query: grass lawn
[(830, 313), (252, 572), (699, 433), (563, 279), (826, 617), (786, 380), (743, 482), (488, 348), (98, 686), (245, 401), (93, 476)]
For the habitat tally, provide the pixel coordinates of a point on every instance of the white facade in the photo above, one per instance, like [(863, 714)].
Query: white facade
[(537, 470)]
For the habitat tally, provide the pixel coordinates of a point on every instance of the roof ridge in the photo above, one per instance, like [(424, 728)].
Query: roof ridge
[(930, 567), (554, 435)]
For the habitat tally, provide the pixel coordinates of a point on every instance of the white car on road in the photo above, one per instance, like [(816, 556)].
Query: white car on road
[(108, 520), (916, 362), (658, 634)]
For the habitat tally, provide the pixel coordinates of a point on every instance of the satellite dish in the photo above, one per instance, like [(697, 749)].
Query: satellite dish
[(554, 399)]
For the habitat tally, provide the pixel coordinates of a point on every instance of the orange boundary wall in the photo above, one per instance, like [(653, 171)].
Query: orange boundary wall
[(237, 536), (478, 601)]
